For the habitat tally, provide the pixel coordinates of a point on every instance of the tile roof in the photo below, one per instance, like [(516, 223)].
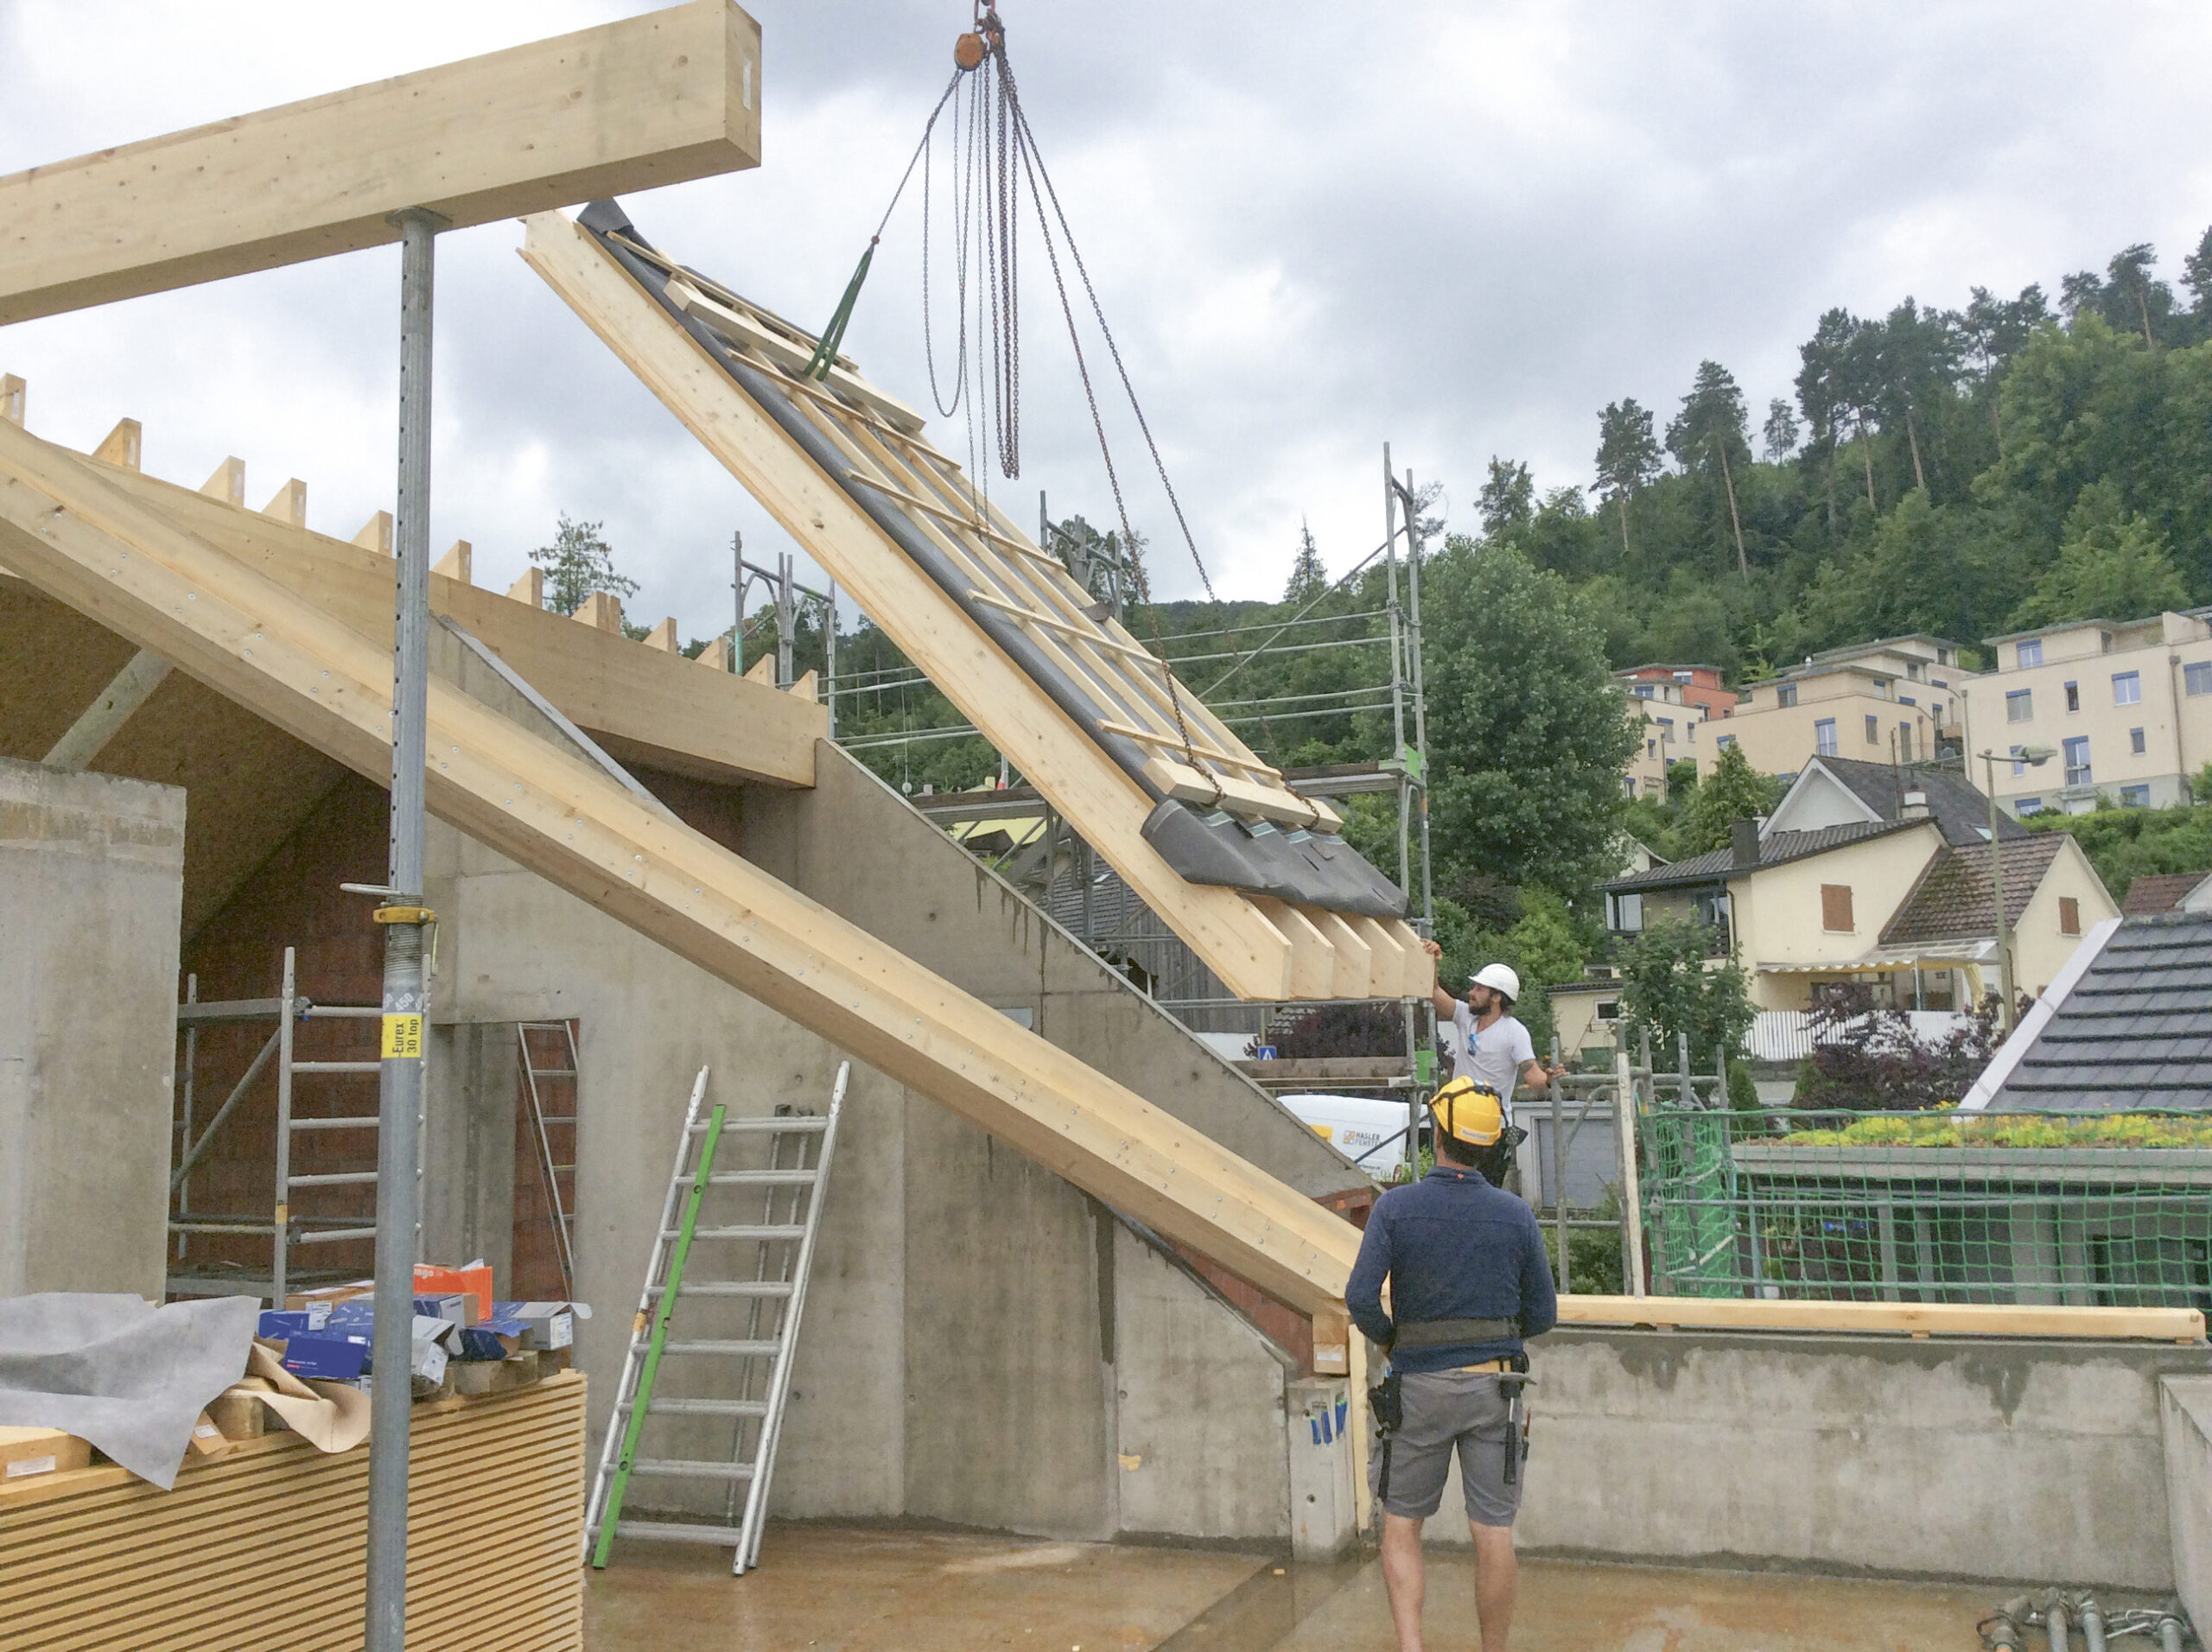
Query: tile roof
[(1956, 804), (2159, 891), (1715, 866), (1953, 897), (2133, 1035)]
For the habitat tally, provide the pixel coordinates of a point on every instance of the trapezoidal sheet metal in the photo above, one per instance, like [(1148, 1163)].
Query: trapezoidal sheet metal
[(71, 532), (1254, 877)]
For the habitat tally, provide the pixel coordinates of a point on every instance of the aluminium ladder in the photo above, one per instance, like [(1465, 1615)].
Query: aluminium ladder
[(740, 1305), (550, 1080)]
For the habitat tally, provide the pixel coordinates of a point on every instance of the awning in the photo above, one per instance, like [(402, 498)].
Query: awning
[(1953, 958)]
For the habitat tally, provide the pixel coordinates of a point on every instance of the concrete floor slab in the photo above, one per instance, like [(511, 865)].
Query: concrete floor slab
[(843, 1589)]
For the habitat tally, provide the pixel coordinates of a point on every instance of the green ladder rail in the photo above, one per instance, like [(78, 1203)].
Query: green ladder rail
[(649, 1372)]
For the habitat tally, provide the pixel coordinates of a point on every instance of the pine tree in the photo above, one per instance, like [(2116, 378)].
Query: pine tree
[(1308, 577), (578, 563)]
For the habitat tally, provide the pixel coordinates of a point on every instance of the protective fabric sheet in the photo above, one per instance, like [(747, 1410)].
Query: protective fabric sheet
[(118, 1371), (329, 1416)]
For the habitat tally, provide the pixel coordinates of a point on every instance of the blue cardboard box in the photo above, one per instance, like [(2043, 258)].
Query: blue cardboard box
[(327, 1356)]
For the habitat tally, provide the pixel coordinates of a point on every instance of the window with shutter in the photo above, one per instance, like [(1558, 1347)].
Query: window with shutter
[(2069, 915), (1835, 907)]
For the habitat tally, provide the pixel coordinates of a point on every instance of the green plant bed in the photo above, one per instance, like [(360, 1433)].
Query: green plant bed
[(1955, 1129)]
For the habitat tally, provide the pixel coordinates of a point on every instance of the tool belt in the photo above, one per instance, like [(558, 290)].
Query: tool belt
[(1446, 1333)]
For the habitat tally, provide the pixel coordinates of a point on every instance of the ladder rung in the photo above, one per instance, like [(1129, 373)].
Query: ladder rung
[(742, 1232), (728, 1287), (672, 1531), (700, 1407), (559, 1169), (549, 1118), (765, 1178), (809, 1121), (339, 1178), (367, 1123), (727, 1350), (552, 1072), (678, 1468), (338, 1066)]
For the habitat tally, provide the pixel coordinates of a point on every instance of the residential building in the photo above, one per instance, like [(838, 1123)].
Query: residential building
[(2125, 709), (1879, 877), (1701, 685), (2168, 892), (1897, 699), (1670, 735), (2127, 1027)]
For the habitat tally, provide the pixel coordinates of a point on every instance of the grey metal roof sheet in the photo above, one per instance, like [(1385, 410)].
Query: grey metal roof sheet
[(2134, 1033)]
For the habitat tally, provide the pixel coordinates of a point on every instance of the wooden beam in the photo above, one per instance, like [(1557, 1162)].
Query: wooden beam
[(1354, 962), (650, 100), (123, 446), (805, 687), (762, 671), (376, 534), (227, 482), (601, 612), (289, 504), (1312, 960), (663, 636), (103, 719), (642, 705), (11, 399), (530, 588), (458, 563), (1886, 1318), (90, 543), (1233, 939)]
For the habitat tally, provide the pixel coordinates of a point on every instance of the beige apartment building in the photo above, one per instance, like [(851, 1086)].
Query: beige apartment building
[(1898, 700), (2125, 708), (1671, 721)]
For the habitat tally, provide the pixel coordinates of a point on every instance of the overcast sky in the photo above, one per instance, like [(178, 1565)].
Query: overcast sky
[(1458, 228)]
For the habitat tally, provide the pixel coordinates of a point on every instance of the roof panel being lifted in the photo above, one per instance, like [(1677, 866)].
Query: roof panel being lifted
[(1252, 875)]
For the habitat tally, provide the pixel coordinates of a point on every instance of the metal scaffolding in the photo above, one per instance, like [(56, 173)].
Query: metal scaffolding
[(285, 1227)]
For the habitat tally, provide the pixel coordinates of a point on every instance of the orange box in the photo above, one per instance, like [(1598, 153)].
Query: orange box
[(474, 1282)]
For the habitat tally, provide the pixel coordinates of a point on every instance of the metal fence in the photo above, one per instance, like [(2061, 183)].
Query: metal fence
[(2095, 1210)]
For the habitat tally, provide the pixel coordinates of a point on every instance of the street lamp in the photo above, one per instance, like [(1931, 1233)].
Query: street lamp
[(2034, 757)]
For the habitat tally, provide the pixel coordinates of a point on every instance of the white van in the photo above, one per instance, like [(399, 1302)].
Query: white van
[(1371, 1132)]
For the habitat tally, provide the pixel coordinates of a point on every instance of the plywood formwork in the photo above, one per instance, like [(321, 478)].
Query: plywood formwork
[(650, 100), (264, 1544), (1087, 714), (68, 527)]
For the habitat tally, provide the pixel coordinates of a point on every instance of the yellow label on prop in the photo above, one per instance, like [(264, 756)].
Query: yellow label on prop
[(403, 1037)]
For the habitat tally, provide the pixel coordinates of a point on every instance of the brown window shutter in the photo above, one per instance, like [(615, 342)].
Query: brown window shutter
[(2069, 915), (1836, 906)]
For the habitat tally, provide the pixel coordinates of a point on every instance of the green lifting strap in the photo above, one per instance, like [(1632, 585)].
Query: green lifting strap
[(832, 335), (643, 1397)]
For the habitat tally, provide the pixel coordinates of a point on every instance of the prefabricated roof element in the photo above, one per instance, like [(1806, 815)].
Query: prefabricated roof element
[(2130, 1031), (1252, 875)]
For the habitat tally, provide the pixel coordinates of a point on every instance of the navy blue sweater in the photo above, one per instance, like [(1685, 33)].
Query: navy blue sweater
[(1453, 1248)]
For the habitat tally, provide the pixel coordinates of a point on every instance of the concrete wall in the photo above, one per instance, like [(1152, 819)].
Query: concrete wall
[(2185, 1415), (984, 1344), (2028, 1462), (92, 878)]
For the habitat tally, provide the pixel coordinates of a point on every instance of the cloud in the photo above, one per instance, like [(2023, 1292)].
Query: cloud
[(1457, 228)]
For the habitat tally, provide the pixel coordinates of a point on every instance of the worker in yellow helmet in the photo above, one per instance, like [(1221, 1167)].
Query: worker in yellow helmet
[(1469, 1279)]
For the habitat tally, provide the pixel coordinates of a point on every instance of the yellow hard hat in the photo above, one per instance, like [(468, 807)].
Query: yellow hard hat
[(1469, 1112)]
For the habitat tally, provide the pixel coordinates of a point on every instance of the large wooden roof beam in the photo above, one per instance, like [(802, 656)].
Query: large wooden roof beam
[(655, 100)]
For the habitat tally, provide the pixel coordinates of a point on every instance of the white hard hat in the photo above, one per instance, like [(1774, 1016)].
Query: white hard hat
[(1499, 979)]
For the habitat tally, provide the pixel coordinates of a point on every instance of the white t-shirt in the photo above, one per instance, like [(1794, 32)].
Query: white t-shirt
[(1495, 1055)]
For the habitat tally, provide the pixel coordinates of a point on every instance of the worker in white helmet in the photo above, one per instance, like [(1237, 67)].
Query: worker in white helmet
[(1495, 1049)]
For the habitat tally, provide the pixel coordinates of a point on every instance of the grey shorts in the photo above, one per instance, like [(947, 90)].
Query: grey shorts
[(1445, 1412)]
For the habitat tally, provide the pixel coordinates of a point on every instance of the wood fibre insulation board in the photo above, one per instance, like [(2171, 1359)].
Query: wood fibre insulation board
[(66, 528), (657, 708), (1238, 941), (266, 1544), (655, 99)]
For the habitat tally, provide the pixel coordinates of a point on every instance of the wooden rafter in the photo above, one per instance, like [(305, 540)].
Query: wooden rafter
[(69, 529)]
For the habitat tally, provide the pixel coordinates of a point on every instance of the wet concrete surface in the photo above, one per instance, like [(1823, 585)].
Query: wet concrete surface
[(845, 1589)]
